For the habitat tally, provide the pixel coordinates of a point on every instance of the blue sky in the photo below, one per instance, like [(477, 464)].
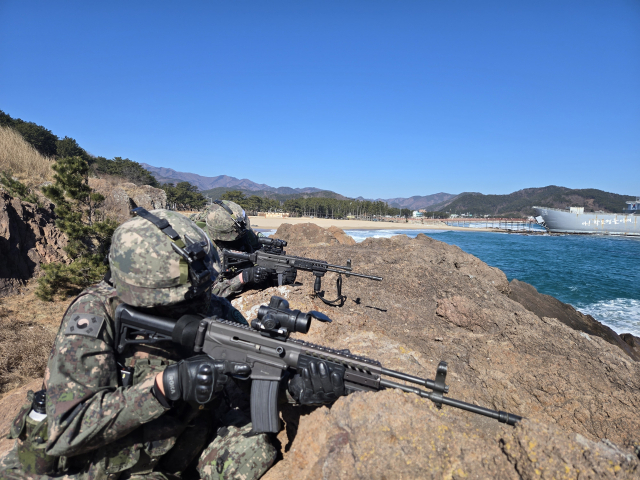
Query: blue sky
[(373, 98)]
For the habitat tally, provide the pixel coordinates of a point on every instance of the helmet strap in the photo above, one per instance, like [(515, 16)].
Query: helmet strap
[(192, 253), (240, 227)]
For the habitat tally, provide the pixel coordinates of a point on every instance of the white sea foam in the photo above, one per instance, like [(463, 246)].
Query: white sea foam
[(360, 235), (622, 314)]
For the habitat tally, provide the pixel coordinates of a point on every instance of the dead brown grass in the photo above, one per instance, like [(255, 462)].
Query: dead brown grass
[(28, 327), (22, 160)]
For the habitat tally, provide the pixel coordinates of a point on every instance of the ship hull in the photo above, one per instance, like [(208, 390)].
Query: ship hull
[(562, 221)]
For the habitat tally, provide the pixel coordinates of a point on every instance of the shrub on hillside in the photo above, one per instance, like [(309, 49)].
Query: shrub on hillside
[(184, 196), (125, 168), (17, 189), (88, 231)]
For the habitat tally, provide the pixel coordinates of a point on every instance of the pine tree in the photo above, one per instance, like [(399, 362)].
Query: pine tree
[(89, 234)]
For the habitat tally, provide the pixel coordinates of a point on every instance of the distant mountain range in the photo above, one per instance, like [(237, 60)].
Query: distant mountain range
[(418, 202), (169, 175), (216, 186), (514, 204)]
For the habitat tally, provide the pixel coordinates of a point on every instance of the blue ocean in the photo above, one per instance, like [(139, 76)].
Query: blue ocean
[(598, 275)]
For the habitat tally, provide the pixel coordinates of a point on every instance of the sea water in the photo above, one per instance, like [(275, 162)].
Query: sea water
[(598, 275)]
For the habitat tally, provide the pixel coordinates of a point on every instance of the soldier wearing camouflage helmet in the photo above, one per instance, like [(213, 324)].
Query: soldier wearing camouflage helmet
[(228, 227), (113, 415)]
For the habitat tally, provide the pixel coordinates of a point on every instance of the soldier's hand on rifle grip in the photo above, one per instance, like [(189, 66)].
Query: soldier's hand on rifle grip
[(194, 380), (254, 275), (317, 384)]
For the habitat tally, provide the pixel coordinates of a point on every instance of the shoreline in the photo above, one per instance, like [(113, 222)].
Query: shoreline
[(274, 223)]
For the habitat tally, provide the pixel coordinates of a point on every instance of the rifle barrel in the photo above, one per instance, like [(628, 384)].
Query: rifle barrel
[(362, 275), (438, 398)]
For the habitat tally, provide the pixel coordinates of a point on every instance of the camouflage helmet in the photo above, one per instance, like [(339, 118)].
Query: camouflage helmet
[(145, 269), (226, 221)]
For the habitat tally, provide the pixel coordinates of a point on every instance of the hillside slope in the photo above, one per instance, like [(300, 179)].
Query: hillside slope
[(520, 203)]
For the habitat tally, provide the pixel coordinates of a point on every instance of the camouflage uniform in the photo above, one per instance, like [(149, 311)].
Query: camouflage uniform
[(101, 429), (220, 228)]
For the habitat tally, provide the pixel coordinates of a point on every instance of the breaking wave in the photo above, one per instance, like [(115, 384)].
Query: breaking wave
[(622, 315)]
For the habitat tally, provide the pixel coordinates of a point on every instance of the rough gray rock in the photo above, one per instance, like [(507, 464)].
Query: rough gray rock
[(548, 306), (439, 303), (28, 238), (121, 197), (392, 435), (312, 234), (633, 342)]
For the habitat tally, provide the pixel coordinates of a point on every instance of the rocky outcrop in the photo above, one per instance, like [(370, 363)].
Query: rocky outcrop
[(438, 303), (548, 306), (312, 234), (28, 238), (633, 342), (393, 435), (121, 197)]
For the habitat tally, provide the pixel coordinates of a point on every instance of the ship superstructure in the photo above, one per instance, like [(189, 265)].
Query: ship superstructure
[(575, 220)]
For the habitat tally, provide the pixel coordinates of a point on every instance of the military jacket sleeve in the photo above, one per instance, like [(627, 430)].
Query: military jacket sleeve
[(85, 406), (226, 287)]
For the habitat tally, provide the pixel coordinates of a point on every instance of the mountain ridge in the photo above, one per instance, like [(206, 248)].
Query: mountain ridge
[(215, 186)]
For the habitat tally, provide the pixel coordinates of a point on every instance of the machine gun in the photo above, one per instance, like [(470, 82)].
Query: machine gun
[(232, 261), (267, 348)]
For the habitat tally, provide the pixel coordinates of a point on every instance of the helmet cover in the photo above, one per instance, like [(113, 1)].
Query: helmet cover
[(145, 269), (220, 225)]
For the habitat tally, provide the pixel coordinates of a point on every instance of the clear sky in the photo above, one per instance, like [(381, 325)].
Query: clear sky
[(373, 98)]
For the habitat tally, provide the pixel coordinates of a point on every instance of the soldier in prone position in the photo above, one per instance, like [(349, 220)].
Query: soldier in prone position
[(228, 227), (146, 412)]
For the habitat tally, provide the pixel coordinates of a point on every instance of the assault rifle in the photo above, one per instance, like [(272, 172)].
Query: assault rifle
[(281, 263), (267, 348)]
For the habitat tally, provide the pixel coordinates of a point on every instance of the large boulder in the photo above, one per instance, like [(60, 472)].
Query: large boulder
[(28, 238), (435, 303), (393, 435), (312, 234), (121, 197)]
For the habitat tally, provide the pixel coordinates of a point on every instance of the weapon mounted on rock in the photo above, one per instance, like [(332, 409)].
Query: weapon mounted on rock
[(270, 352), (281, 263)]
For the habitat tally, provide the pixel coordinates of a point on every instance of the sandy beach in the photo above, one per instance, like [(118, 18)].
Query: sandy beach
[(274, 223)]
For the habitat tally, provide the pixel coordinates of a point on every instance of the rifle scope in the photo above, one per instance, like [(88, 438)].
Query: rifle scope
[(277, 317), (273, 242)]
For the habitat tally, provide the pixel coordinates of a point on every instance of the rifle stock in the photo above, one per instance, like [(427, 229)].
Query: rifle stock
[(270, 352)]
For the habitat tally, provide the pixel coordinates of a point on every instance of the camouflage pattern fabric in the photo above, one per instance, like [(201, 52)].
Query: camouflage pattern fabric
[(101, 430), (220, 225), (145, 269), (234, 454)]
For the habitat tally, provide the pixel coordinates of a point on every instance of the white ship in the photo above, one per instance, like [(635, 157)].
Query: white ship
[(575, 220)]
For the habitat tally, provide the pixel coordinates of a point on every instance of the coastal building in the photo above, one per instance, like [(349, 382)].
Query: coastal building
[(417, 214)]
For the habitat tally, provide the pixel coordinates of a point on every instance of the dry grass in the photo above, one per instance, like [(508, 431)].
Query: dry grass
[(22, 160), (28, 327)]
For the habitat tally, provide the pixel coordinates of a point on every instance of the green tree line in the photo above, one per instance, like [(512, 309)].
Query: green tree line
[(316, 206)]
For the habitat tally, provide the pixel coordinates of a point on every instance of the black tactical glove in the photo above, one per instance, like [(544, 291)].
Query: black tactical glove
[(254, 275), (317, 384), (197, 379)]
